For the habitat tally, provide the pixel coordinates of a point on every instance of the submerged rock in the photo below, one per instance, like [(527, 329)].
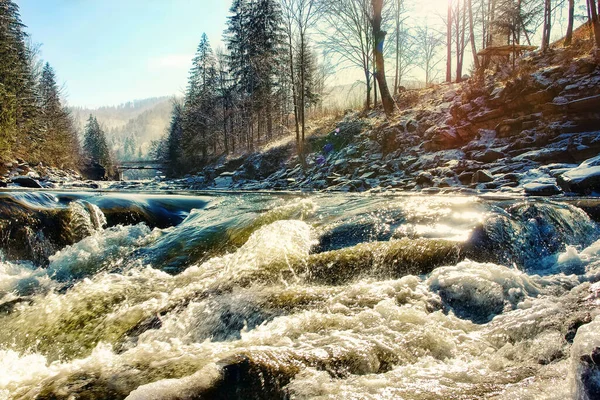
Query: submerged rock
[(256, 375), (531, 235), (585, 355), (589, 365), (392, 259)]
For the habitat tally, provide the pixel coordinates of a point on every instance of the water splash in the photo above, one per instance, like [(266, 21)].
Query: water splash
[(258, 308)]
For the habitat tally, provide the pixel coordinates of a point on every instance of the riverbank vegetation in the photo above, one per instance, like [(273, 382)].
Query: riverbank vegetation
[(34, 123), (270, 77)]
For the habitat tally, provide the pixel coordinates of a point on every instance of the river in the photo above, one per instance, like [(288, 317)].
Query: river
[(107, 295)]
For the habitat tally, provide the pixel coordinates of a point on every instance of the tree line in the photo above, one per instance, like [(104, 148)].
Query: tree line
[(479, 24), (266, 80), (35, 125)]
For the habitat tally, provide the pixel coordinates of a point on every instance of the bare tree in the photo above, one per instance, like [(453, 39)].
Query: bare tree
[(428, 42), (400, 42), (571, 17), (347, 36), (378, 39), (299, 17), (547, 24), (460, 28), (472, 35), (404, 48), (449, 43), (593, 12)]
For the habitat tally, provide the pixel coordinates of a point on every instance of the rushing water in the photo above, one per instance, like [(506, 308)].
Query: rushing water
[(264, 296)]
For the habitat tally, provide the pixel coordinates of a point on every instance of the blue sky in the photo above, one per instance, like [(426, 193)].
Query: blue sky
[(107, 52)]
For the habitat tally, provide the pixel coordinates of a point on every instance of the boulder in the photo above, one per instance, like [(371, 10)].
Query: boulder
[(482, 176), (466, 178), (541, 189), (589, 375), (224, 180), (26, 181), (581, 180), (443, 139), (584, 179), (488, 155), (424, 178), (545, 155), (508, 127), (531, 235), (94, 171)]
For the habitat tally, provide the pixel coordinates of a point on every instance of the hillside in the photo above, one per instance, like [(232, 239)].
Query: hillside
[(533, 129), (130, 127)]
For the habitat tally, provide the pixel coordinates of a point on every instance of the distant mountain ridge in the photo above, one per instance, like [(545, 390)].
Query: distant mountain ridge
[(130, 127), (118, 116)]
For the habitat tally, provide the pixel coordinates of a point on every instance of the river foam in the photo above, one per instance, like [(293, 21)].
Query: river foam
[(258, 308)]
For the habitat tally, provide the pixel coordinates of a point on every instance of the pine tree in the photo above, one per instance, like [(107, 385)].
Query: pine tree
[(254, 39), (17, 100), (58, 141), (95, 144), (266, 41), (174, 138), (199, 104), (237, 42)]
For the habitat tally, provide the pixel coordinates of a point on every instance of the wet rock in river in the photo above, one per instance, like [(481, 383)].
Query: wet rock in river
[(531, 235), (590, 375), (541, 189), (392, 259), (585, 354), (26, 181), (256, 375), (584, 179)]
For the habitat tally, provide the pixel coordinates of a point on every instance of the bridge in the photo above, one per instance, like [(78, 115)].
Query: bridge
[(157, 165)]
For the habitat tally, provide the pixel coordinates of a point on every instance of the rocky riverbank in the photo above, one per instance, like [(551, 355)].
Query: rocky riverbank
[(533, 130), (20, 174), (529, 130)]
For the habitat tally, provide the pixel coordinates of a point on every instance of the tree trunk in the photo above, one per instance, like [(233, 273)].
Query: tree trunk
[(491, 20), (449, 43), (269, 133), (368, 80), (595, 22), (569, 36), (299, 148), (231, 130), (302, 85), (379, 38), (259, 124), (397, 75), (547, 25), (461, 27), (375, 94), (472, 34), (484, 32), (225, 116)]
